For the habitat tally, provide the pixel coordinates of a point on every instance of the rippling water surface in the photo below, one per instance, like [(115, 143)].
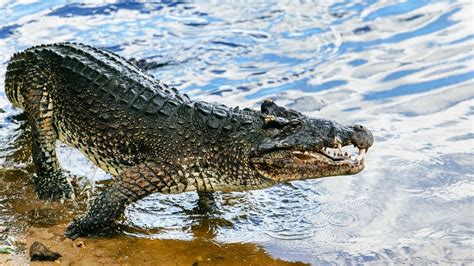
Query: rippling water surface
[(402, 68)]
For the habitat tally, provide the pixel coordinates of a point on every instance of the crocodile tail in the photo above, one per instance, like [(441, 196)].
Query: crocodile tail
[(14, 80)]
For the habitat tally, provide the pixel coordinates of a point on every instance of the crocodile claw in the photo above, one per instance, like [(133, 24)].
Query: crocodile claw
[(54, 187), (73, 230)]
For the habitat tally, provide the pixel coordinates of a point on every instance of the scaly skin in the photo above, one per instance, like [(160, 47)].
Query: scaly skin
[(154, 139)]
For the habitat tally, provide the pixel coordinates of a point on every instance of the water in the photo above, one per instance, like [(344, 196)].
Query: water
[(403, 69)]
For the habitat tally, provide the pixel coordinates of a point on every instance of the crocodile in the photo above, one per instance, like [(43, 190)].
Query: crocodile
[(154, 139)]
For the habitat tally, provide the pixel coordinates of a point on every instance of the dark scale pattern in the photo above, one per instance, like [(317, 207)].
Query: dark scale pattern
[(151, 137)]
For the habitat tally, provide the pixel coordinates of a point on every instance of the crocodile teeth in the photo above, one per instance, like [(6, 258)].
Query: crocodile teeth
[(336, 154), (341, 154), (337, 141), (361, 155)]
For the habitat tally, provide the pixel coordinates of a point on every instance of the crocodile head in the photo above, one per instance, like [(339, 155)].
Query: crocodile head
[(299, 147)]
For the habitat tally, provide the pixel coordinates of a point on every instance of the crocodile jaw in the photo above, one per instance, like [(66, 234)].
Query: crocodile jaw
[(288, 165)]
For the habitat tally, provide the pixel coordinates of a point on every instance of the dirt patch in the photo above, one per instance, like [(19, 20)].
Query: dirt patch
[(124, 250)]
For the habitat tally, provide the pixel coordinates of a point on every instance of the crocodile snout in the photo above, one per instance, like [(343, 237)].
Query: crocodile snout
[(362, 137)]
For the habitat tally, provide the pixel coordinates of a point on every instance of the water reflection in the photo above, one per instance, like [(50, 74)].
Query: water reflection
[(404, 69)]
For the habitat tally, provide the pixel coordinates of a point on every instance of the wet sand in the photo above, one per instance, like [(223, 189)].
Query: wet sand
[(132, 251)]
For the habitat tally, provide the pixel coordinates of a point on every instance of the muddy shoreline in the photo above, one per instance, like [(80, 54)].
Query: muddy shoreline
[(120, 250)]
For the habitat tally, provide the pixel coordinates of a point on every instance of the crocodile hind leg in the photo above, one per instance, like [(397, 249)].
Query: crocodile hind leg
[(206, 202), (133, 184), (50, 181)]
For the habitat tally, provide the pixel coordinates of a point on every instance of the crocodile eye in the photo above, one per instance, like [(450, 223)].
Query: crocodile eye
[(270, 121)]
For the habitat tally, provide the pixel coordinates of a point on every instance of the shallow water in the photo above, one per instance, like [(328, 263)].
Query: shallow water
[(403, 69)]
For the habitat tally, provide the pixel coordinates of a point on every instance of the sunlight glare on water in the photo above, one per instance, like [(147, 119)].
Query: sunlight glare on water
[(404, 69)]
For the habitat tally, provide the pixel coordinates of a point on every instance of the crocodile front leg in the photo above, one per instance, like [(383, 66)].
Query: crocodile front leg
[(132, 185), (50, 180)]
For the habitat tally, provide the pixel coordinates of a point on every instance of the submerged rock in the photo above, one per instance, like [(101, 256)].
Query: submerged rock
[(39, 251)]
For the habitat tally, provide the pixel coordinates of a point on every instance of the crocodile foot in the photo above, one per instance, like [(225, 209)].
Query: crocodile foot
[(53, 186), (74, 229), (85, 226)]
